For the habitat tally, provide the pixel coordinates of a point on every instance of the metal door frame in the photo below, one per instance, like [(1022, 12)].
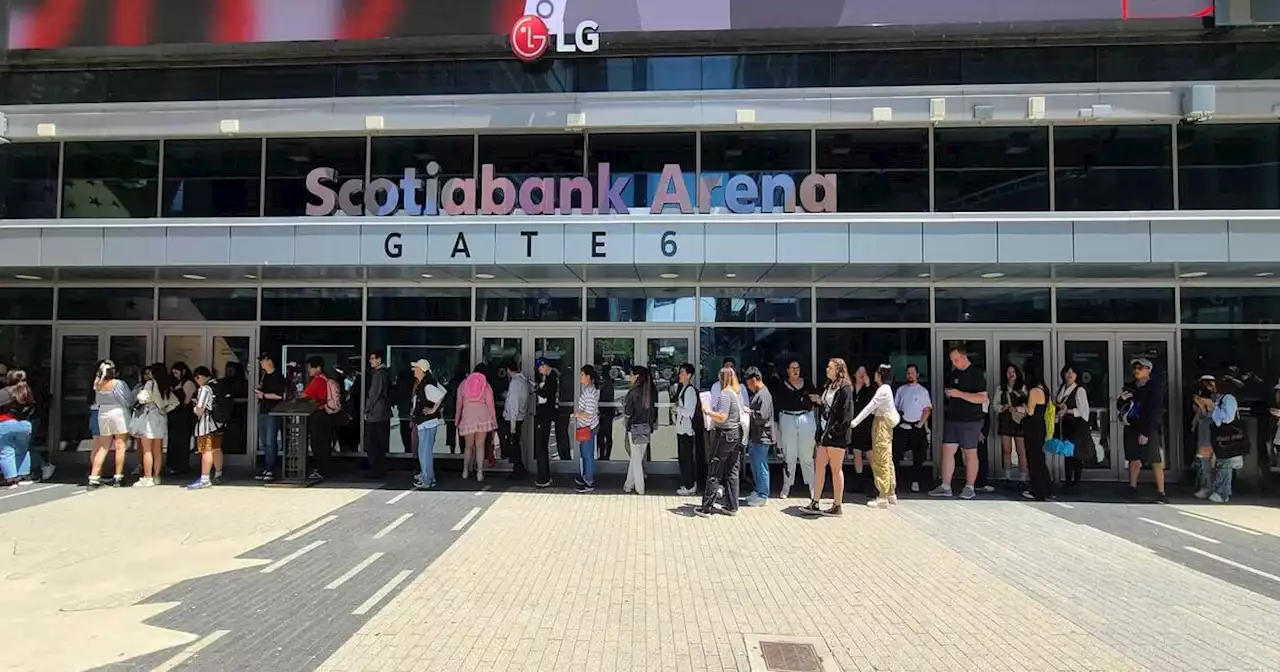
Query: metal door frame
[(207, 334), (103, 332)]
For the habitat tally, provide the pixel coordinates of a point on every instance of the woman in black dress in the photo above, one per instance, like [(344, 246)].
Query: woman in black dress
[(860, 444), (1035, 433), (1011, 408), (182, 421)]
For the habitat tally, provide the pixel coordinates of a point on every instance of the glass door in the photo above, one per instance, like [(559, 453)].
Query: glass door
[(664, 352), (613, 354), (497, 346), (978, 345), (78, 352), (561, 352), (497, 350), (1029, 353), (1158, 348), (229, 353)]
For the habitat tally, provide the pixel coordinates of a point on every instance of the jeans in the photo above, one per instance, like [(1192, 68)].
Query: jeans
[(15, 456), (759, 453), (269, 440), (797, 445), (427, 453), (1224, 473), (587, 459)]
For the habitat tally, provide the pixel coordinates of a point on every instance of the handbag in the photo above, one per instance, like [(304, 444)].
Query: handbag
[(640, 433), (1230, 441), (1056, 446), (582, 434)]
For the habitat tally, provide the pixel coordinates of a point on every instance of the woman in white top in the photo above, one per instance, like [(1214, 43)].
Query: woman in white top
[(587, 420), (151, 424), (685, 406), (114, 399), (882, 408), (1072, 411)]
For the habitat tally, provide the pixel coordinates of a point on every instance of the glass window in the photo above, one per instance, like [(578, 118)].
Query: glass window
[(1250, 356), (277, 81), (1028, 64), (396, 79), (609, 74), (1113, 167), (212, 178), (512, 76), (873, 304), (339, 347), (317, 304), (883, 170), (419, 304), (766, 71), (895, 67), (133, 85), (640, 304), (990, 169), (290, 159), (115, 303), (26, 303), (1165, 62), (1231, 305), (30, 348), (755, 153), (116, 179), (535, 305), (641, 157), (54, 86), (767, 348), (670, 73), (521, 156), (1107, 305), (208, 303), (991, 304), (873, 347), (784, 304), (1229, 167), (449, 351), (454, 153), (29, 180)]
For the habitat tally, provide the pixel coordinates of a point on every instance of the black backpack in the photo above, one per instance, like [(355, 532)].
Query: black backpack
[(223, 402)]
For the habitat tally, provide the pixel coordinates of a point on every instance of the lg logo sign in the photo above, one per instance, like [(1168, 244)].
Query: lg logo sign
[(531, 37)]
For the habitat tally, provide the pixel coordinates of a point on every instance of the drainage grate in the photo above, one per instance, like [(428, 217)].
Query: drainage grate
[(789, 657)]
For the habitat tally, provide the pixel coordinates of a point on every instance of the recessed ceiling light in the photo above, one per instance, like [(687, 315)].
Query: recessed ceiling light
[(992, 276), (484, 276), (428, 275), (1194, 274), (27, 276), (669, 276), (730, 275), (250, 276), (1264, 274), (924, 275), (193, 276)]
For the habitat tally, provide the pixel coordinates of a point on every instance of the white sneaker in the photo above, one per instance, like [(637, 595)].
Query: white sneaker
[(786, 492), (465, 474), (893, 499), (480, 476), (683, 491), (1202, 493), (878, 503), (144, 483), (915, 487), (46, 472), (1217, 499)]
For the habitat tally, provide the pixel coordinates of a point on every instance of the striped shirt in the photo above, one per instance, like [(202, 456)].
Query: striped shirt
[(205, 424), (589, 405)]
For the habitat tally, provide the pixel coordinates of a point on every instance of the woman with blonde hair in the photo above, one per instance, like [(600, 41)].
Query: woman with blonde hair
[(726, 412), (837, 433)]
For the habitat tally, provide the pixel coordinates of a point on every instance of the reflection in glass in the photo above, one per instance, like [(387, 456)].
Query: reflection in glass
[(519, 305), (26, 303), (665, 355), (339, 348), (448, 349), (755, 153), (613, 358), (1248, 358), (755, 305), (1092, 363), (640, 304), (419, 304), (233, 363), (311, 303), (115, 303), (870, 304), (511, 76), (1138, 305), (1113, 167), (1231, 305), (391, 155), (112, 180), (768, 348), (496, 352), (991, 305), (880, 170), (29, 180), (212, 178), (641, 157), (873, 347), (1229, 167), (561, 354), (989, 169), (208, 303), (290, 159), (76, 370)]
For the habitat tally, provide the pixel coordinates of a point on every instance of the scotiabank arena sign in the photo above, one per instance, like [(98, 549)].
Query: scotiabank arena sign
[(606, 194)]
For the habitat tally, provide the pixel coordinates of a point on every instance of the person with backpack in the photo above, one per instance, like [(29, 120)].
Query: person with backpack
[(324, 392), (208, 430), (1037, 427), (1220, 445), (1140, 408), (885, 411), (687, 409)]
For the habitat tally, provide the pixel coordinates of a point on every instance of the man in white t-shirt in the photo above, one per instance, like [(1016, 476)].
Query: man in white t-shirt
[(912, 434)]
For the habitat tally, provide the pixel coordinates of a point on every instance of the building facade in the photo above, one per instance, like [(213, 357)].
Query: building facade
[(1070, 186)]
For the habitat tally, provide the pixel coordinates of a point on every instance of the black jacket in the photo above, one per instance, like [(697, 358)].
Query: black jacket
[(837, 419), (639, 409), (547, 392), (1149, 400)]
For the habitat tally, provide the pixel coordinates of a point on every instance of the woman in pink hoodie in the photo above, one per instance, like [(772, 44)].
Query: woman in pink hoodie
[(476, 419)]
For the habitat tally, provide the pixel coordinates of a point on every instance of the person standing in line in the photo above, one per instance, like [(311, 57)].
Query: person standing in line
[(837, 434), (1072, 403), (742, 388), (270, 392), (762, 431), (151, 424), (114, 399), (608, 411), (1215, 467), (1140, 407), (377, 416), (861, 447), (688, 419), (962, 422), (425, 410), (546, 407), (515, 408), (322, 391), (182, 421), (1011, 408), (208, 431), (797, 435), (912, 434), (726, 412), (1035, 433), (586, 417), (883, 409), (476, 419), (641, 408), (17, 407)]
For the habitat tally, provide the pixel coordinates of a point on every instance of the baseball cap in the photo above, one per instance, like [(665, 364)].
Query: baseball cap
[(422, 365), (1208, 377), (1142, 362), (540, 363)]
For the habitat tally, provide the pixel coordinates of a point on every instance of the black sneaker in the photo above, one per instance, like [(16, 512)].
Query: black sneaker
[(117, 482), (545, 484), (1132, 492), (316, 475), (836, 511), (577, 480), (268, 477), (1161, 498), (261, 475), (702, 512), (811, 509), (585, 488), (216, 478)]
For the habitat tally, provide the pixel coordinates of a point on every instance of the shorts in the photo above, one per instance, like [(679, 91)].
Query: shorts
[(1148, 454), (208, 443), (967, 435)]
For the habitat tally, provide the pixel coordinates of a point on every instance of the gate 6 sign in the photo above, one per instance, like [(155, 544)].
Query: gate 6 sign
[(531, 37)]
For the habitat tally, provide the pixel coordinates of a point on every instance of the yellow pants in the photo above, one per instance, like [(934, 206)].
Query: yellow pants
[(882, 457)]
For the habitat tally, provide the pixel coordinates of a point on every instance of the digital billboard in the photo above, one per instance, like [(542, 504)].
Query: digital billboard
[(47, 24)]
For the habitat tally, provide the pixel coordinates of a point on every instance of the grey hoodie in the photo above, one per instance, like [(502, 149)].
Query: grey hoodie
[(516, 406)]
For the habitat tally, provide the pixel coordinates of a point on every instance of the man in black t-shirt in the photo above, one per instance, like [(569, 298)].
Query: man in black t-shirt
[(965, 389), (270, 391)]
